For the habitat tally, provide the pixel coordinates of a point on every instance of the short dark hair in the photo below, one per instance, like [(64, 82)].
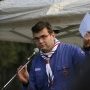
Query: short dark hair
[(41, 25)]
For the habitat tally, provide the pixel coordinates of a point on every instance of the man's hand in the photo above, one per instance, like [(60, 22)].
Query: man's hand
[(87, 40), (23, 75)]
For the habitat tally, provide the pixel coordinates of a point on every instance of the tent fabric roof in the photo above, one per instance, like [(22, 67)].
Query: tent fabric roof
[(18, 16), (17, 10)]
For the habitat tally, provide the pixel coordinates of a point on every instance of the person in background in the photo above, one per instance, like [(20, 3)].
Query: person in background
[(82, 81), (85, 33), (56, 64)]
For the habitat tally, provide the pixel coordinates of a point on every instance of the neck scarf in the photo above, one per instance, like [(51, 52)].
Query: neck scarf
[(46, 57)]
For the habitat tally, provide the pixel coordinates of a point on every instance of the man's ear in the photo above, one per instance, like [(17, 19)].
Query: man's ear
[(53, 34)]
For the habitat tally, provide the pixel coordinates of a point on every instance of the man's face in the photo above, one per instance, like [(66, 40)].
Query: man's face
[(87, 39), (87, 35), (44, 40)]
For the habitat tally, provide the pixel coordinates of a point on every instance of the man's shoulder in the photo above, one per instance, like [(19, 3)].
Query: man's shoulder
[(69, 48), (68, 45)]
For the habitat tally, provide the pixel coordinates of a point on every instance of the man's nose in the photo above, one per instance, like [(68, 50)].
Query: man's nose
[(41, 40)]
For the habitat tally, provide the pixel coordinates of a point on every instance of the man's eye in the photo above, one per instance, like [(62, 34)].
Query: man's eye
[(43, 36)]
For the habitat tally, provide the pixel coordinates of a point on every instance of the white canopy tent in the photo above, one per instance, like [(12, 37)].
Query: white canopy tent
[(18, 16)]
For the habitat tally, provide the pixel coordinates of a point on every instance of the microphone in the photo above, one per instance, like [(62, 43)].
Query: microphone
[(36, 50)]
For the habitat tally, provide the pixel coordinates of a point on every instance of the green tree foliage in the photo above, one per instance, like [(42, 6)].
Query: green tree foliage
[(7, 54), (12, 55)]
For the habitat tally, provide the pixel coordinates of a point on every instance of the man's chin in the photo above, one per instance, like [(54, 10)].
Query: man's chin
[(43, 49)]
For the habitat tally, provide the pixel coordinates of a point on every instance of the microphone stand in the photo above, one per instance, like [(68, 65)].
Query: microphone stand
[(29, 60)]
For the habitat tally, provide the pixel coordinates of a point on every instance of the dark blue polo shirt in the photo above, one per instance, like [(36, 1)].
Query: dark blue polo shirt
[(64, 63)]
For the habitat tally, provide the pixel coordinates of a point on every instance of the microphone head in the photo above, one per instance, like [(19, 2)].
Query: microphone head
[(36, 50)]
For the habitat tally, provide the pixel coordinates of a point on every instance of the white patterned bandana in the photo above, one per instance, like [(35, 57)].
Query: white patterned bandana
[(47, 57)]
